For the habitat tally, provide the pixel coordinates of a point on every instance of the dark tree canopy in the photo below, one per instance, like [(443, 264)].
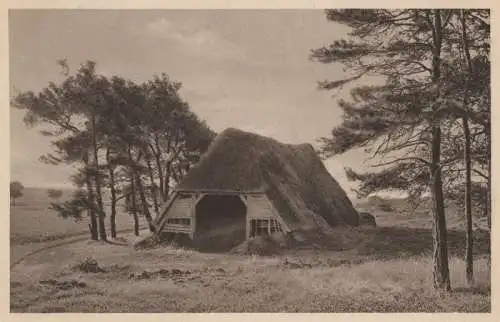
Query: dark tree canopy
[(116, 132), (16, 191), (54, 193)]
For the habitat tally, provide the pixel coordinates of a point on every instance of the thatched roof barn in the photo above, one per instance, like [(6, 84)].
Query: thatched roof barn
[(248, 185)]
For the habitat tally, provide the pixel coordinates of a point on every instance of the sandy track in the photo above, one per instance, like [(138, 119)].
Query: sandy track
[(19, 253)]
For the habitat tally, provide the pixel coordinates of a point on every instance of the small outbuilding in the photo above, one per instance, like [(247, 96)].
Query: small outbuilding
[(247, 185)]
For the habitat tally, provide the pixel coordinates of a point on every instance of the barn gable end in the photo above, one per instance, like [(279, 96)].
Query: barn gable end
[(178, 218), (261, 212)]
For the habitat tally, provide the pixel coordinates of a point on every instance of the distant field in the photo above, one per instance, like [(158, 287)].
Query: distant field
[(31, 221)]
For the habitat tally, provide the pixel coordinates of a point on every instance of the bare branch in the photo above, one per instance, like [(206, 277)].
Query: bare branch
[(398, 160)]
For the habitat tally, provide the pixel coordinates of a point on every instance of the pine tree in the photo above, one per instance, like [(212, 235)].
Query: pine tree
[(402, 118)]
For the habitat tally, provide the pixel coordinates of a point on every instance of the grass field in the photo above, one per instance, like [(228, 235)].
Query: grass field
[(383, 269), (31, 220)]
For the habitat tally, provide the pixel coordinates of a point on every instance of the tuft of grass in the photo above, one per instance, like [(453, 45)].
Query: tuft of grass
[(89, 265)]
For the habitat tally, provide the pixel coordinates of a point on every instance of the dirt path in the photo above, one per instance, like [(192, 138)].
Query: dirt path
[(18, 253)]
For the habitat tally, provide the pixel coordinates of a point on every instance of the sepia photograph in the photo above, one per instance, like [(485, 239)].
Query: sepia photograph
[(250, 160)]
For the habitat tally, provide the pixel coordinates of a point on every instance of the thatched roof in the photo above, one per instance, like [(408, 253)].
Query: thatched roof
[(292, 176), (231, 163)]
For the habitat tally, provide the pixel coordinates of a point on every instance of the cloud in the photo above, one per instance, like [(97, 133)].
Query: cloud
[(194, 41)]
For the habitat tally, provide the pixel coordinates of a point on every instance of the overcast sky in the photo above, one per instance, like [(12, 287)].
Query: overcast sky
[(244, 69)]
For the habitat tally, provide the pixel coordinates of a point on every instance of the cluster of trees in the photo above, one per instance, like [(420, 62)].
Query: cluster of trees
[(427, 126), (16, 191), (126, 140), (54, 193)]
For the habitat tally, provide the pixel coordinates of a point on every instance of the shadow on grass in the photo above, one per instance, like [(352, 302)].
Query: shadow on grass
[(381, 243), (478, 290), (391, 242), (117, 242)]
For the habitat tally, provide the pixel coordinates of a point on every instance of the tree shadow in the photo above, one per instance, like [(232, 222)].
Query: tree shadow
[(477, 290), (396, 242), (117, 242)]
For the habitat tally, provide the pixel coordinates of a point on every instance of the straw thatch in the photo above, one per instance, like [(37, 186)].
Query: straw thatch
[(292, 176)]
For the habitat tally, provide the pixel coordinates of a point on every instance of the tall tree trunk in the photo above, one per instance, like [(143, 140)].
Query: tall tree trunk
[(97, 181), (111, 172), (441, 271), (157, 157), (440, 245), (134, 204), (488, 182), (140, 189), (154, 189), (488, 201), (101, 219), (488, 192), (168, 175), (469, 262), (144, 202), (93, 225), (91, 212)]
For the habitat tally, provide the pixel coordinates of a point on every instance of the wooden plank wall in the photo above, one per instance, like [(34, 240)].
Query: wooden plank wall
[(181, 208), (259, 207)]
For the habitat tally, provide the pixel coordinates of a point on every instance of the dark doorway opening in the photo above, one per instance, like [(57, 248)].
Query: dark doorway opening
[(220, 223)]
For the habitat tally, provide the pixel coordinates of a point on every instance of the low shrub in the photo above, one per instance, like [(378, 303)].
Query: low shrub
[(89, 265)]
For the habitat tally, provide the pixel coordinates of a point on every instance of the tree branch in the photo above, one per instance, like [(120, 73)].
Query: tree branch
[(400, 160)]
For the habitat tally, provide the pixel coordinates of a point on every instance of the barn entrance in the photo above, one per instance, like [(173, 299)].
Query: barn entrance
[(220, 222)]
